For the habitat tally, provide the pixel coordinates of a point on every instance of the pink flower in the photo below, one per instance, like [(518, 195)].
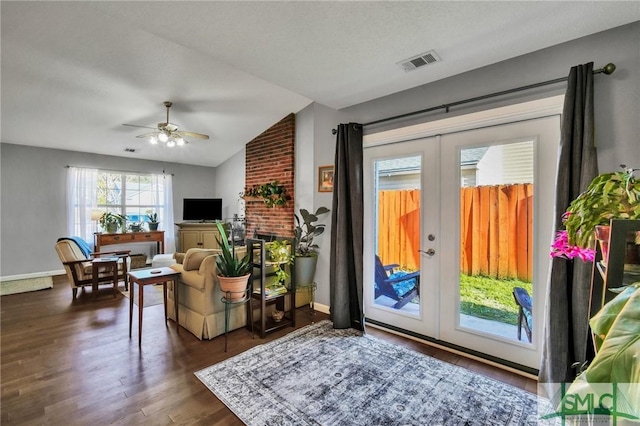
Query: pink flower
[(561, 248)]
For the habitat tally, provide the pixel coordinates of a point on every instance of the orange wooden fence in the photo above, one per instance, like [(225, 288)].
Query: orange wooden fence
[(399, 227), (496, 230)]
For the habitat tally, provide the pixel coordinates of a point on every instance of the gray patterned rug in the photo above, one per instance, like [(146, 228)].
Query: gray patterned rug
[(320, 376)]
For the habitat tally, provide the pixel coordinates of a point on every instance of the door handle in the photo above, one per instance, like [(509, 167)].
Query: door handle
[(430, 252)]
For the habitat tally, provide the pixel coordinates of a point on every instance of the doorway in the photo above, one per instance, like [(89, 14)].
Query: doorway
[(468, 216)]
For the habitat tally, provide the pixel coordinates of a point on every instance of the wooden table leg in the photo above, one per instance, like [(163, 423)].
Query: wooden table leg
[(94, 284), (164, 299), (131, 308), (175, 303), (114, 267), (140, 306)]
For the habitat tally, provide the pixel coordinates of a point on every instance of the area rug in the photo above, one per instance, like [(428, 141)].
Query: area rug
[(25, 285), (152, 295), (321, 376)]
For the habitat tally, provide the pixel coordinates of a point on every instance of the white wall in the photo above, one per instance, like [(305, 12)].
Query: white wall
[(33, 194), (230, 183)]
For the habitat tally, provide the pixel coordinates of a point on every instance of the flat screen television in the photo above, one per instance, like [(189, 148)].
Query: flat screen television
[(202, 209)]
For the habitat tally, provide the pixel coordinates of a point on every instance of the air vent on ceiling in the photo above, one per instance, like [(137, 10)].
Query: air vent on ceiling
[(421, 60), (129, 150)]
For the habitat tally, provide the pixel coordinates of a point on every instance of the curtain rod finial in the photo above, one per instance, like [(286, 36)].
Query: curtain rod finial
[(334, 131), (609, 68)]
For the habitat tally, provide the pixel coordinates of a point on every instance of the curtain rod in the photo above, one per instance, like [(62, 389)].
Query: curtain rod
[(607, 69), (119, 171)]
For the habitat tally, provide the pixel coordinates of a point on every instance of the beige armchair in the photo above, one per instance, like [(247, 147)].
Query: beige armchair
[(79, 268), (200, 304)]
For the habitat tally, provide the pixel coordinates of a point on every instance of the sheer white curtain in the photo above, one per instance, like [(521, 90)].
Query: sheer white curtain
[(82, 199), (163, 185)]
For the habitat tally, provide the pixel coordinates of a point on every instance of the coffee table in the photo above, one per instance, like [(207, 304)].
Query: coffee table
[(149, 277)]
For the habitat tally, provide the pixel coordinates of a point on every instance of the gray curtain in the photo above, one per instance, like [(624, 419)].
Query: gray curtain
[(346, 230), (567, 303)]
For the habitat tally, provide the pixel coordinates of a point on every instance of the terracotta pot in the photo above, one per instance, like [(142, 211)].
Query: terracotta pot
[(602, 235), (234, 288), (631, 255)]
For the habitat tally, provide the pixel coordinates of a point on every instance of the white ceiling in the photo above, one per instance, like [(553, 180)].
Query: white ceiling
[(74, 72)]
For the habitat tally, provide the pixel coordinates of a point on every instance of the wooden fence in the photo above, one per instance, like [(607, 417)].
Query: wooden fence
[(496, 230)]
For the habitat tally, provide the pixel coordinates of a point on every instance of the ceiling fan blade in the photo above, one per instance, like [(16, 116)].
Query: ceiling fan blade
[(142, 127), (184, 133), (147, 135)]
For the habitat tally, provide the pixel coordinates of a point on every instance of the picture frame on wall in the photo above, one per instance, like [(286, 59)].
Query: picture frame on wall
[(325, 178)]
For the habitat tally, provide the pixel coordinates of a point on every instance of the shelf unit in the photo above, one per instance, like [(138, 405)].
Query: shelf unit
[(259, 278), (613, 272)]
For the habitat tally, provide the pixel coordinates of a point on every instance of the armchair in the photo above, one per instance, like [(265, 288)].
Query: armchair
[(77, 260), (202, 311), (399, 286)]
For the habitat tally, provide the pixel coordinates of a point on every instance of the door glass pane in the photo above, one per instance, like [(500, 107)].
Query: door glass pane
[(397, 233), (496, 240)]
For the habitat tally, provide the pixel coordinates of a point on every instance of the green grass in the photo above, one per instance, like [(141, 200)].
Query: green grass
[(490, 298)]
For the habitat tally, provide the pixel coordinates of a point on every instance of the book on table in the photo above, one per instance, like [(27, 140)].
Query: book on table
[(273, 290)]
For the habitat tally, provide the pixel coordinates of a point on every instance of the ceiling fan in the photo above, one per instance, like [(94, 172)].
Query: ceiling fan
[(168, 132)]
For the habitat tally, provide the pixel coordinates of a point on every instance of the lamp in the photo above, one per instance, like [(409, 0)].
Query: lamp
[(95, 217), (167, 138)]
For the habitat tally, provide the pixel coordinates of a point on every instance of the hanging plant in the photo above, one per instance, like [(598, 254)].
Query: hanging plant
[(272, 193)]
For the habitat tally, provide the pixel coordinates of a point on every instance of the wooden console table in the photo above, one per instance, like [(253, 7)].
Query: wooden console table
[(101, 239)]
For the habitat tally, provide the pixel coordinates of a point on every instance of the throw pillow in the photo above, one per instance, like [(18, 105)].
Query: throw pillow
[(194, 258)]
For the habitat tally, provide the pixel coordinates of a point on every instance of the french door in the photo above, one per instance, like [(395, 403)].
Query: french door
[(469, 214)]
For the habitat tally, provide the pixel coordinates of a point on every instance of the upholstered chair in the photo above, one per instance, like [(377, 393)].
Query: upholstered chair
[(77, 260)]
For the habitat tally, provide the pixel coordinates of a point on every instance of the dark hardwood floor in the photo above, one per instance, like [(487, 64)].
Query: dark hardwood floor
[(65, 362)]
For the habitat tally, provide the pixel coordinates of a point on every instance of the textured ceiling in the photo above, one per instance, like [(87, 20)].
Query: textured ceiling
[(74, 72)]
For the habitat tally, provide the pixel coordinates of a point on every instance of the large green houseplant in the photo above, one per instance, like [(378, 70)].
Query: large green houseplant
[(233, 272), (616, 329), (304, 234), (609, 196), (111, 222)]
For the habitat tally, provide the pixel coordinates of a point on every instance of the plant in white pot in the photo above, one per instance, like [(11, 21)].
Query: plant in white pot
[(233, 272), (304, 233)]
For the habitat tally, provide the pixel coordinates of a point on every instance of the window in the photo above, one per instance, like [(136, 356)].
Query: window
[(131, 195), (126, 193)]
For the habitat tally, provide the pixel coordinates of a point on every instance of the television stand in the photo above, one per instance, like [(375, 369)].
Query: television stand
[(203, 235)]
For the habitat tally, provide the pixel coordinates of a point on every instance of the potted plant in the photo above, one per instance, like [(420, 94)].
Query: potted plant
[(609, 196), (272, 193), (280, 255), (111, 222), (233, 273), (152, 220), (304, 233)]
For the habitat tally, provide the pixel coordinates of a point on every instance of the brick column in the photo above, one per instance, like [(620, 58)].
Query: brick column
[(270, 157)]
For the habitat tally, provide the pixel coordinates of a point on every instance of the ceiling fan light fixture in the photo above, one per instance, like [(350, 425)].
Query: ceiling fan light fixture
[(171, 143), (153, 140), (179, 141), (163, 137)]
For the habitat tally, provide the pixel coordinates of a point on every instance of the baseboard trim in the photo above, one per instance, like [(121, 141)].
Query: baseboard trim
[(321, 308), (33, 275), (516, 368)]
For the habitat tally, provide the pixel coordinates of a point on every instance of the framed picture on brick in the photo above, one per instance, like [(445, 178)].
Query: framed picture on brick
[(325, 178)]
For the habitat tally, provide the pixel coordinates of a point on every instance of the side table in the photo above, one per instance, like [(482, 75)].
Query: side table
[(149, 277), (107, 265)]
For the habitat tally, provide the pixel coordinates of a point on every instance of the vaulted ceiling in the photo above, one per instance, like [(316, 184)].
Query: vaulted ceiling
[(74, 72)]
